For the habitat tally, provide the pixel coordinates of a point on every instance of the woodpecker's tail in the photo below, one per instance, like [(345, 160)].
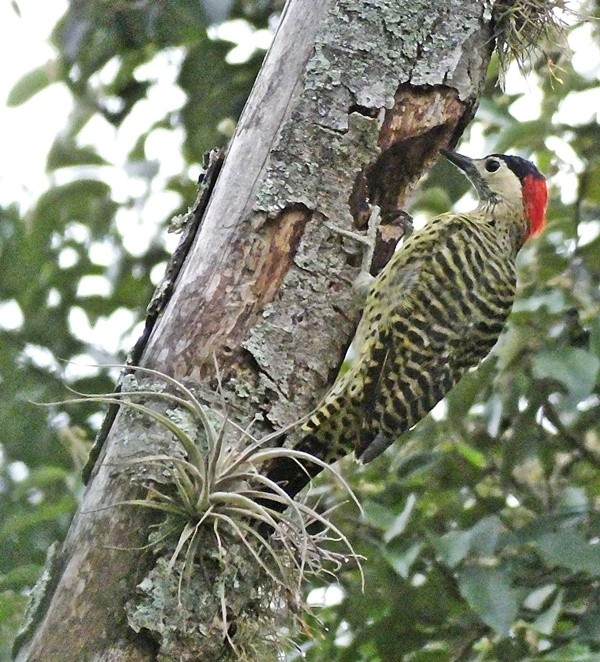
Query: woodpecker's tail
[(293, 474), (328, 436)]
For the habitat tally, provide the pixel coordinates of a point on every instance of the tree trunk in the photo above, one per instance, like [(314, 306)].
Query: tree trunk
[(351, 105)]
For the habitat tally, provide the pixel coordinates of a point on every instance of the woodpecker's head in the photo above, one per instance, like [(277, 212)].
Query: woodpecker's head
[(508, 180)]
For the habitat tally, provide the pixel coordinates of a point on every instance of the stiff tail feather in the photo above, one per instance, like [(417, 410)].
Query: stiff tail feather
[(327, 437)]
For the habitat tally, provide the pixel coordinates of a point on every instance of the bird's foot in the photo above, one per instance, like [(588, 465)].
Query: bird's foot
[(362, 283)]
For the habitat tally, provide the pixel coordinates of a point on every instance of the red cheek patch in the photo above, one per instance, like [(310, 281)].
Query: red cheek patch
[(535, 198)]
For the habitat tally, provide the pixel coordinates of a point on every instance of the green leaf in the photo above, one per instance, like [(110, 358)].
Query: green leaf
[(491, 596), (575, 368), (553, 301), (522, 134), (590, 182), (434, 200), (453, 547), (20, 577), (472, 455), (590, 625), (595, 337), (12, 606), (181, 21), (87, 201), (573, 501), (65, 152), (437, 652), (416, 463), (536, 599), (377, 515), (399, 524), (28, 85), (218, 94), (15, 7), (480, 540), (40, 478), (572, 652), (546, 622), (484, 536), (402, 560), (591, 254), (570, 550), (24, 521)]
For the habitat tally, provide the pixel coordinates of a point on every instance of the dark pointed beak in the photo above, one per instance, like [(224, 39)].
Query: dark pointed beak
[(467, 166), (464, 163)]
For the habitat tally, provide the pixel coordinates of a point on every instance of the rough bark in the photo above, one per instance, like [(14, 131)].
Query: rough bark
[(352, 103)]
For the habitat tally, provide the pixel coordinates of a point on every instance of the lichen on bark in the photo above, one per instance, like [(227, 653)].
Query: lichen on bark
[(196, 619)]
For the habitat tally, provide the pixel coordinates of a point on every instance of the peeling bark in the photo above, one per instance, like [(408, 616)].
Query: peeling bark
[(352, 103)]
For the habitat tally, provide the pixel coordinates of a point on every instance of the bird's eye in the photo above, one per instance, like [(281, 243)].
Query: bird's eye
[(491, 165)]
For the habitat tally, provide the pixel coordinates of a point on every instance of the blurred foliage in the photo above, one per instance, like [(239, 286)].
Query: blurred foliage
[(81, 228), (482, 527)]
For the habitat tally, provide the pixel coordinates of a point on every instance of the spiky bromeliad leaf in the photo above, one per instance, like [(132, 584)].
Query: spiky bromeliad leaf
[(224, 495)]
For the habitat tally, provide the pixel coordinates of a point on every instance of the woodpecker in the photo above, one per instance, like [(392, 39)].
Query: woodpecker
[(434, 311)]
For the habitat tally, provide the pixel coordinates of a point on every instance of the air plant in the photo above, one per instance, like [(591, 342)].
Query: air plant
[(216, 491), (524, 27)]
